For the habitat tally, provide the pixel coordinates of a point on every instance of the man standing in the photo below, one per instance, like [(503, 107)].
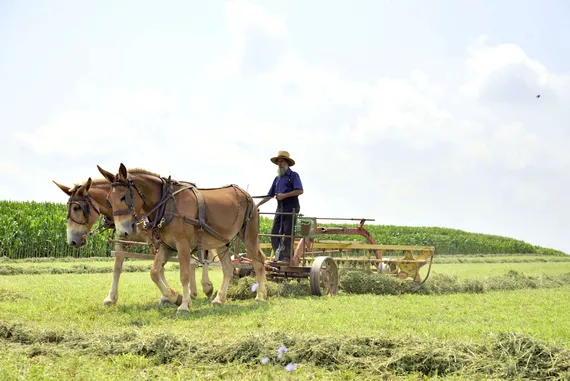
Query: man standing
[(286, 188)]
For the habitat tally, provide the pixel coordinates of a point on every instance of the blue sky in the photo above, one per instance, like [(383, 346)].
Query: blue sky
[(409, 112)]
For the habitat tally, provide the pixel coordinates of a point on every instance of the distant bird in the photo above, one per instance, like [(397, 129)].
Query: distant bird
[(538, 96)]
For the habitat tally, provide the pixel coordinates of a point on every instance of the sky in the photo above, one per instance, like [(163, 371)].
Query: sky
[(408, 112)]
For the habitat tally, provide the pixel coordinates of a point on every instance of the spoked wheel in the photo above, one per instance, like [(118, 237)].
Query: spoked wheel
[(324, 277)]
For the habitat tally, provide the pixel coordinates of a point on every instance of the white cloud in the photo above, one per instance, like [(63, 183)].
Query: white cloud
[(454, 120), (489, 66), (468, 153), (147, 102), (75, 133), (245, 19), (8, 168)]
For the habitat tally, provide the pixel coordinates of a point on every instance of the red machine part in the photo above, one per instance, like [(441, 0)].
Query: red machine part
[(360, 230)]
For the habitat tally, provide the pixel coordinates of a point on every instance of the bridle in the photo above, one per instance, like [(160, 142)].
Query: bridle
[(129, 197), (85, 208)]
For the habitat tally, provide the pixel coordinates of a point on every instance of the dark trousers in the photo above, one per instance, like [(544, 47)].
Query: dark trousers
[(282, 224)]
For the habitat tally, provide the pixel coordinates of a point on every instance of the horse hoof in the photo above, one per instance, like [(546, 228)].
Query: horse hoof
[(217, 302), (164, 301), (108, 302), (182, 311), (209, 291)]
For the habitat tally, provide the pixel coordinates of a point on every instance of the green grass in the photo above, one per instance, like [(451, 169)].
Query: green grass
[(484, 270), (55, 327), (51, 302)]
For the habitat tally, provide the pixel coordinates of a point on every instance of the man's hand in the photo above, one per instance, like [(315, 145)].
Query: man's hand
[(263, 202), (280, 196)]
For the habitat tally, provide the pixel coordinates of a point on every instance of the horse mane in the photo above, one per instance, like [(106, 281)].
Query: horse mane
[(142, 171), (99, 181), (102, 180)]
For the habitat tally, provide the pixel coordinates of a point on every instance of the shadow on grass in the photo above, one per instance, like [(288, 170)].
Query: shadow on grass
[(201, 308)]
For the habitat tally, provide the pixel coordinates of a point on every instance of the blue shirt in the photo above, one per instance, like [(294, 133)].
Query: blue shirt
[(289, 182)]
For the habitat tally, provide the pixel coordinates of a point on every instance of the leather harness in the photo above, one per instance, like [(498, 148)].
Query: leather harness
[(86, 208), (166, 211)]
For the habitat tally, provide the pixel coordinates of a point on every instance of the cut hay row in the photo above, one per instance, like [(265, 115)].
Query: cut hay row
[(504, 356)]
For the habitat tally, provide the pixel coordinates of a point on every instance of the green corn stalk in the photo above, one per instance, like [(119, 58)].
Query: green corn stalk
[(38, 229)]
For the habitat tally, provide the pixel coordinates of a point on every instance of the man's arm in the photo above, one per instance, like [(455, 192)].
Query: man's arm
[(282, 196), (297, 188), (263, 201), (271, 194)]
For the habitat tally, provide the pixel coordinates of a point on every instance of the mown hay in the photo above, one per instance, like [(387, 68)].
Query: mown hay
[(75, 269), (241, 289), (359, 282), (505, 356), (10, 296)]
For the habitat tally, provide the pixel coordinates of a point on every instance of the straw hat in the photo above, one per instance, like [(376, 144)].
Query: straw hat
[(283, 155)]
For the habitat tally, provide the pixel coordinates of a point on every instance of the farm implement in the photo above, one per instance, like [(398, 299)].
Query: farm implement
[(319, 259)]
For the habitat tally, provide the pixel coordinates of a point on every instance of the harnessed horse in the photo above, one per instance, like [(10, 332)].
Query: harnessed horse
[(86, 204), (180, 216)]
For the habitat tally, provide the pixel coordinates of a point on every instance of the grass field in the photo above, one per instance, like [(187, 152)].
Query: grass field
[(54, 327)]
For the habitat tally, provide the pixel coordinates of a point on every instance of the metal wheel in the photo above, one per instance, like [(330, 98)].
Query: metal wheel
[(324, 276)]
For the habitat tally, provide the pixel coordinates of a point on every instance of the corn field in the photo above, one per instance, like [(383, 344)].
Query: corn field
[(38, 229)]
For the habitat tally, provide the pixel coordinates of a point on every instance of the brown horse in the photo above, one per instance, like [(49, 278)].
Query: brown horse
[(86, 203), (186, 217)]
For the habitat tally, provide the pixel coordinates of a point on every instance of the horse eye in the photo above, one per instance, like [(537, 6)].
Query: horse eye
[(76, 208), (123, 198)]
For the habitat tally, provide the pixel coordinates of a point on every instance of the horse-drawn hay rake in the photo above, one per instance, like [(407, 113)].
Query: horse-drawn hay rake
[(319, 259)]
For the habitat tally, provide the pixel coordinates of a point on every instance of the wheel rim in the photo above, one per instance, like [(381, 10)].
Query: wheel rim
[(324, 277)]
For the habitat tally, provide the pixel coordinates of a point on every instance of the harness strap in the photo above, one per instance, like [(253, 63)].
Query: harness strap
[(165, 210), (167, 195)]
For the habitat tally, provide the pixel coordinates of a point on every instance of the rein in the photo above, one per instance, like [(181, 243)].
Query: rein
[(104, 224)]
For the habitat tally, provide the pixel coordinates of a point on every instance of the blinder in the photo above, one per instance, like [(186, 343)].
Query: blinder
[(129, 198), (85, 208)]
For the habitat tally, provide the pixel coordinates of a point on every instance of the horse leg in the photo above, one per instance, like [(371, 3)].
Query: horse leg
[(228, 269), (192, 281), (157, 274), (207, 285), (187, 272), (258, 258), (113, 295), (167, 254)]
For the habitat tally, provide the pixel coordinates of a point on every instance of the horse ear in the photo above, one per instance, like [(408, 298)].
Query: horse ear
[(123, 171), (81, 190), (87, 185), (106, 174), (65, 189)]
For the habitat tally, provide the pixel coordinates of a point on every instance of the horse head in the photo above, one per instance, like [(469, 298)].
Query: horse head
[(127, 197), (82, 213)]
